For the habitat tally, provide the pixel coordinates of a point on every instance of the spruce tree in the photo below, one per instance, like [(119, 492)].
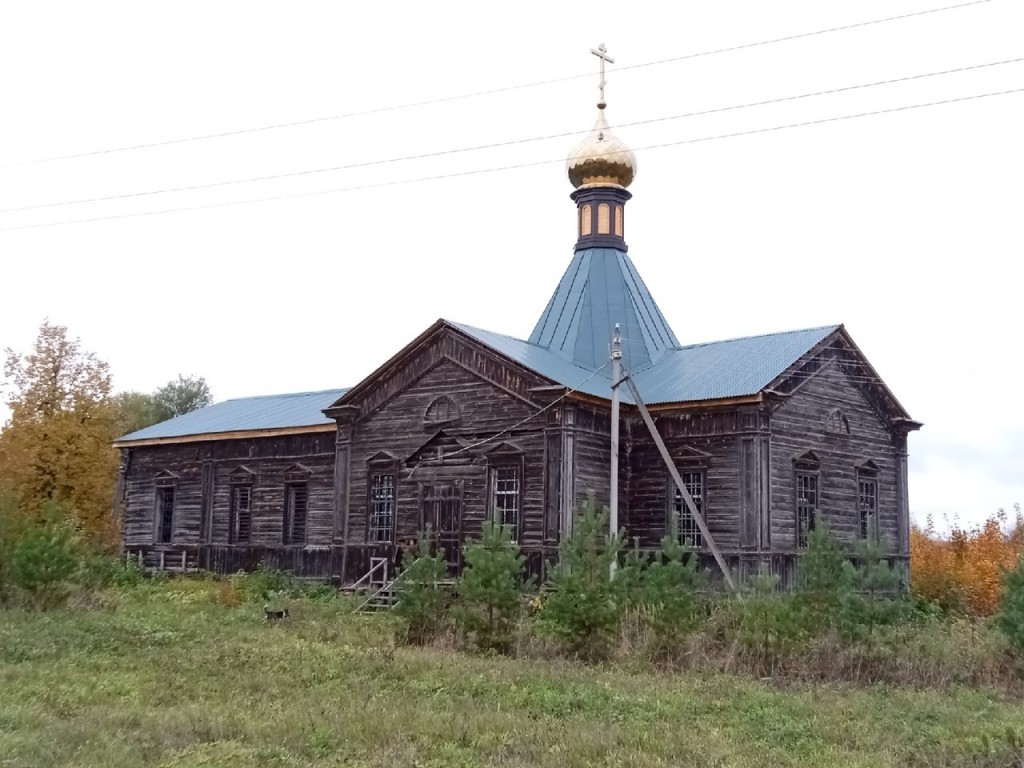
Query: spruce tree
[(491, 590), (1010, 619), (585, 607), (423, 595)]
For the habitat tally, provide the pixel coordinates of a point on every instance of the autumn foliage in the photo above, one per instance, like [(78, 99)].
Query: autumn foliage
[(963, 571)]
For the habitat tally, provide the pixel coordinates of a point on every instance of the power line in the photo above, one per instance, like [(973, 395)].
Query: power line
[(487, 92), (496, 145), (478, 171), (517, 425)]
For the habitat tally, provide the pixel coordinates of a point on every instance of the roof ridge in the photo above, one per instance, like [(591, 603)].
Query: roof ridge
[(285, 394), (830, 327)]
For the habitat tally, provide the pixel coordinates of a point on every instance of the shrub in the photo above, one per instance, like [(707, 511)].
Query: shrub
[(263, 584), (8, 534), (424, 595), (874, 587), (962, 572), (43, 559), (491, 590), (667, 591), (823, 579), (585, 607), (770, 625), (1010, 619)]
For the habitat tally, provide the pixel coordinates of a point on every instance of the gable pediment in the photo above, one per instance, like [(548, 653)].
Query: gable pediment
[(241, 476), (383, 457), (442, 448), (165, 478), (687, 455), (503, 451), (868, 467), (807, 460), (837, 351), (297, 473), (441, 344)]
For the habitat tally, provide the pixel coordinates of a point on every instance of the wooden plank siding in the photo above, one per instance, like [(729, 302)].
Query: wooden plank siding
[(703, 439), (798, 425), (398, 427), (198, 501), (446, 410)]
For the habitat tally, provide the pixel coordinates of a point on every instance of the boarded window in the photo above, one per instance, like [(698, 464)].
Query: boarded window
[(382, 506), (604, 216), (507, 498), (164, 514), (241, 514), (296, 510), (867, 504), (586, 222), (806, 505), (682, 520)]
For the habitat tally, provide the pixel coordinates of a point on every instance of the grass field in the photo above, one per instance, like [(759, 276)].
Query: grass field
[(164, 675)]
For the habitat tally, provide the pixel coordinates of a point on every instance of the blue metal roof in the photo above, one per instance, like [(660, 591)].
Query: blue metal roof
[(300, 409), (731, 368), (600, 288), (718, 369)]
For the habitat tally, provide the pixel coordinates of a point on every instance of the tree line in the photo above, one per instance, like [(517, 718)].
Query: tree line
[(55, 447)]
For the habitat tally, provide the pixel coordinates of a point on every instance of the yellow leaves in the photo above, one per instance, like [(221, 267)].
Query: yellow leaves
[(56, 445), (964, 570)]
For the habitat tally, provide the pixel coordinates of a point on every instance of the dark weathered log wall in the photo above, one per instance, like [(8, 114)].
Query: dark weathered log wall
[(201, 474), (398, 428), (799, 425), (705, 439)]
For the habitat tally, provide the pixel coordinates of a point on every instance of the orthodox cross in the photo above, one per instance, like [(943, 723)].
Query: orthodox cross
[(602, 54)]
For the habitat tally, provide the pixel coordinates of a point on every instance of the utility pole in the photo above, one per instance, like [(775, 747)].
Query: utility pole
[(613, 516)]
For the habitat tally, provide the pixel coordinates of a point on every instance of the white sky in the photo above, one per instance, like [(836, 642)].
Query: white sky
[(906, 226)]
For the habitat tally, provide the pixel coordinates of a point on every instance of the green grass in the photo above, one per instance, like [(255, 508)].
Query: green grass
[(165, 676)]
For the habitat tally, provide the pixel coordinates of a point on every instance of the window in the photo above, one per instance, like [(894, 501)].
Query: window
[(296, 508), (241, 514), (586, 222), (682, 520), (867, 499), (618, 220), (382, 506), (604, 215), (164, 514), (806, 504), (441, 410), (837, 423), (506, 491)]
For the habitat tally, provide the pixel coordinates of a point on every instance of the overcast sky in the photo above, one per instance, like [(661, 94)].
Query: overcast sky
[(905, 226)]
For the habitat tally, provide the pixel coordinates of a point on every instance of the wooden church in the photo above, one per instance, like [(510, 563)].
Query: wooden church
[(768, 436)]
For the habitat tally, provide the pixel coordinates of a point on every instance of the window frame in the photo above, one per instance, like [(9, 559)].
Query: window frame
[(163, 524), (234, 517), (496, 512), (291, 489), (382, 470), (678, 511), (806, 470), (867, 477)]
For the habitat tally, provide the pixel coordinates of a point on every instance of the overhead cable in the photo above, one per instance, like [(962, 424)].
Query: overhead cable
[(479, 171), (500, 144), (487, 92)]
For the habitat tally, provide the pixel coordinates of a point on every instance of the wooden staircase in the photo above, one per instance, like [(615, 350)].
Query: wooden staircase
[(377, 589)]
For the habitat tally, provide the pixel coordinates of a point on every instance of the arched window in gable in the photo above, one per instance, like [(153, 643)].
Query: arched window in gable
[(836, 422), (442, 410)]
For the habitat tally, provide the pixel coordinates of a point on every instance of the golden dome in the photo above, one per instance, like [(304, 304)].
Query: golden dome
[(601, 160)]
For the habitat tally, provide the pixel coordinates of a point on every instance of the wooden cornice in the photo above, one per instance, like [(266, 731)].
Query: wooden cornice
[(245, 434)]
